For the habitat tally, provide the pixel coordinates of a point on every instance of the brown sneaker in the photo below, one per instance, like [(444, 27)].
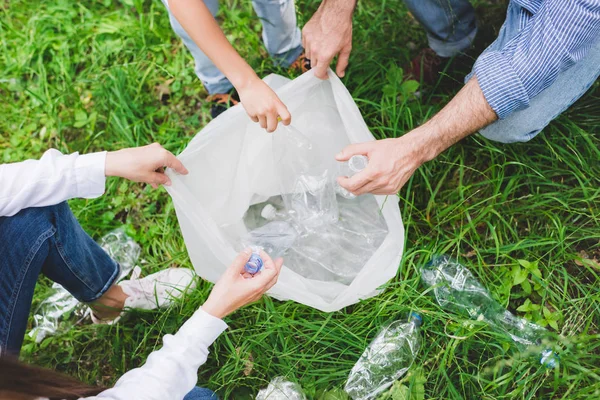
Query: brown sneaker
[(302, 64), (425, 67), (221, 102)]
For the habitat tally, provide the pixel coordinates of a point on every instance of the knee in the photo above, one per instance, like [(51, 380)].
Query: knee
[(508, 133)]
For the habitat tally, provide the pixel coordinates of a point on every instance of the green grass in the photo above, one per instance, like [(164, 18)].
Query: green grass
[(86, 76)]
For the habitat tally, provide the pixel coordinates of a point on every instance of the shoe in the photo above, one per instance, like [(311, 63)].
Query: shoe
[(154, 291), (221, 102), (425, 67), (158, 290), (302, 64)]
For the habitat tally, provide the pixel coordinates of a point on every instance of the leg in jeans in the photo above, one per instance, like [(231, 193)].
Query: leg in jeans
[(201, 394), (213, 80), (450, 24), (281, 34), (47, 240), (570, 85)]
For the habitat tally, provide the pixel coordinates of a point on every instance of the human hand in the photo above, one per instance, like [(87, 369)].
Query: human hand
[(327, 34), (391, 163), (262, 105), (143, 164), (236, 288)]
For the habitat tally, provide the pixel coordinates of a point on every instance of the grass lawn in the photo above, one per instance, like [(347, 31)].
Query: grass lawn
[(107, 74)]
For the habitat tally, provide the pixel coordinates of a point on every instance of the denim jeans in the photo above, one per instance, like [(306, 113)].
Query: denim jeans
[(201, 394), (451, 27), (281, 37), (51, 241)]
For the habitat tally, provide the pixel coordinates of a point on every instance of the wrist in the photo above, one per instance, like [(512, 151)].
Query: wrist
[(214, 309), (428, 143), (243, 79), (111, 164)]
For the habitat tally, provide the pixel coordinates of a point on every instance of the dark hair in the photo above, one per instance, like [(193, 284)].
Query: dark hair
[(20, 381)]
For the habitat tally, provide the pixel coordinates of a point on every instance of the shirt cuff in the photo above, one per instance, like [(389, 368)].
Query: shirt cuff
[(89, 175), (500, 84), (202, 325)]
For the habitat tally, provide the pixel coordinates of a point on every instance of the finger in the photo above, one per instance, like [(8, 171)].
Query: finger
[(271, 122), (238, 264), (284, 114), (356, 182), (320, 68), (159, 178), (254, 118), (262, 120), (154, 185), (173, 162), (342, 62), (354, 149)]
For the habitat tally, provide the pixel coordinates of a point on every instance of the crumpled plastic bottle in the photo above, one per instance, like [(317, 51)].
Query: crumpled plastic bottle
[(281, 389), (52, 310), (456, 289), (386, 359), (353, 166), (307, 186)]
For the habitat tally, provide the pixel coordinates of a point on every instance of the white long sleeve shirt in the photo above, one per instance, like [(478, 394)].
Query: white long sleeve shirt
[(171, 372), (50, 180)]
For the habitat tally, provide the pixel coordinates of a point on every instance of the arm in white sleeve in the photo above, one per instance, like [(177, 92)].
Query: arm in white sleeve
[(50, 180), (172, 371)]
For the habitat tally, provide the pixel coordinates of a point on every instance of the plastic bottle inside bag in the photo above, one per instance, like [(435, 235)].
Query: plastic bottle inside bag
[(274, 238), (307, 185), (456, 289), (386, 359), (350, 168)]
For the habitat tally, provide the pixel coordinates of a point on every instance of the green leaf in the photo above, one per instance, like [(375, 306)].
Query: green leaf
[(334, 394), (547, 313), (536, 271), (526, 286), (409, 87), (525, 264), (553, 324), (519, 275)]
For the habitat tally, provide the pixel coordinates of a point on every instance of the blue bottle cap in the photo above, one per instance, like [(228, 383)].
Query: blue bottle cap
[(416, 318), (254, 264), (549, 359)]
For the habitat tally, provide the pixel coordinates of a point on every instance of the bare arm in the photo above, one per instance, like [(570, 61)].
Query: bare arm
[(393, 161), (327, 34), (259, 101)]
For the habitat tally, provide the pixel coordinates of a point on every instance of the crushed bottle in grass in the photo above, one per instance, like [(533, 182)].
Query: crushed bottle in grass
[(281, 389), (457, 290), (386, 359)]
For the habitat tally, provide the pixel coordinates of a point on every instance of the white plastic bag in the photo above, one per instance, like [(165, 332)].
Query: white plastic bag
[(232, 167)]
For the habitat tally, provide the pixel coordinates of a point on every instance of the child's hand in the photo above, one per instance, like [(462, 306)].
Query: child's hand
[(236, 289), (263, 106)]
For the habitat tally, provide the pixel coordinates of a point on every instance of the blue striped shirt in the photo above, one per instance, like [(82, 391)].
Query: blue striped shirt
[(552, 36)]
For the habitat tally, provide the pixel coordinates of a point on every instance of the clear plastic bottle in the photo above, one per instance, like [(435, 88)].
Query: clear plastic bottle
[(350, 168), (456, 289), (306, 184), (386, 359), (281, 389)]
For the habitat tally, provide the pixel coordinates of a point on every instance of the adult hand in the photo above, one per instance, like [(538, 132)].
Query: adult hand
[(143, 164), (262, 105), (327, 34), (236, 288), (391, 163)]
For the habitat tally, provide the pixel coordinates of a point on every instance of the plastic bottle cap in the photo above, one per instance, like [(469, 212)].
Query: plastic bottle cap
[(549, 359), (269, 212), (254, 264), (416, 318), (358, 163)]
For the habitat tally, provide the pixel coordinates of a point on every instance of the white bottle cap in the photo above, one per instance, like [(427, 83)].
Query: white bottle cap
[(269, 212), (358, 163)]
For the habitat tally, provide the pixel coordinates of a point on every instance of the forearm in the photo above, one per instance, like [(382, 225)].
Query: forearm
[(338, 6), (198, 22), (464, 115)]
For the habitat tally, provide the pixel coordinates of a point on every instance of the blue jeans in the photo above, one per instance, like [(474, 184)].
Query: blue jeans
[(51, 241), (281, 37), (451, 27), (201, 394)]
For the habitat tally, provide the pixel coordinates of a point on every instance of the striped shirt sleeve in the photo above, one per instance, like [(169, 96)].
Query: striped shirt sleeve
[(557, 36)]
